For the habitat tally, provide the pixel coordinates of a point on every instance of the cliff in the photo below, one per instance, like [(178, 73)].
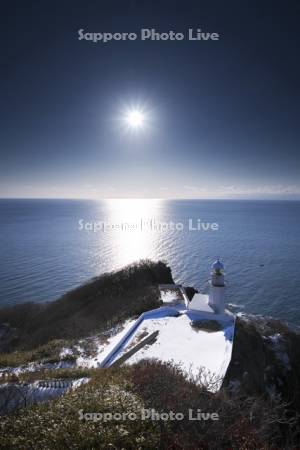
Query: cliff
[(265, 359), (258, 404)]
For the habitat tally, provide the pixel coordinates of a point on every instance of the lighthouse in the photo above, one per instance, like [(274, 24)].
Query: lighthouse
[(216, 298)]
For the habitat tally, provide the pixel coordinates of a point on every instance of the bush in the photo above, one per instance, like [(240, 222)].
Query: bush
[(244, 423), (94, 306)]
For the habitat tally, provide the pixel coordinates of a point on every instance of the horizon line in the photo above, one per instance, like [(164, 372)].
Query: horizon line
[(154, 198)]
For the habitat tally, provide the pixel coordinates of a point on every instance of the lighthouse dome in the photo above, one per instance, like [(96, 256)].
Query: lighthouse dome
[(217, 265)]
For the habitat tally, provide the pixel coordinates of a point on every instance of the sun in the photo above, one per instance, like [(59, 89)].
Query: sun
[(135, 119)]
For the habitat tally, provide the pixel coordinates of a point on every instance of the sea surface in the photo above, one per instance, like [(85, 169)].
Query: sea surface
[(51, 246)]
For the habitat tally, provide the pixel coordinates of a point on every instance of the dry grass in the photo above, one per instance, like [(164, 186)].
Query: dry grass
[(251, 423), (93, 307)]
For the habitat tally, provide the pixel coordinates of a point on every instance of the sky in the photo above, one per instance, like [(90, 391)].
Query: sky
[(220, 117)]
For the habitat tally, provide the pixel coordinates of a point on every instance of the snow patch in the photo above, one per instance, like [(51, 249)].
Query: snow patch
[(16, 395), (196, 351), (34, 367), (65, 352), (103, 348)]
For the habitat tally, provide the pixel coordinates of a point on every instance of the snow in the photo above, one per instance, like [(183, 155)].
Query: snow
[(35, 366), (13, 395), (65, 352), (200, 302), (104, 349), (197, 351), (171, 293), (179, 342)]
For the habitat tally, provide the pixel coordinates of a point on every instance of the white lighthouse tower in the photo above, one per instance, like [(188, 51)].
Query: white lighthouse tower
[(216, 298)]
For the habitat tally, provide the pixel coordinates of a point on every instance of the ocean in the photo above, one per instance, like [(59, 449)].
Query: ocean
[(51, 246)]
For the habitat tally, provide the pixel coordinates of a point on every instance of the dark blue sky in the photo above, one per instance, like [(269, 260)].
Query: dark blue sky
[(222, 117)]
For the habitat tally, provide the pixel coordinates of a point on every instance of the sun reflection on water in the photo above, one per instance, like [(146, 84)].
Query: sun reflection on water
[(132, 239)]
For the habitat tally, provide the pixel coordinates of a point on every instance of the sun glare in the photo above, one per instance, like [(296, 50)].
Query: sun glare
[(135, 119)]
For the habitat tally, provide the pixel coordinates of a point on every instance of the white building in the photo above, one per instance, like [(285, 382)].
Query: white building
[(181, 334), (214, 302)]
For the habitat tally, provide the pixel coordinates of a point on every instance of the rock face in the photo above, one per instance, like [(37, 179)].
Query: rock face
[(190, 292), (265, 359)]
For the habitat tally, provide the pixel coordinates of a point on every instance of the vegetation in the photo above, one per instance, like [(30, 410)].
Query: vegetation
[(206, 325), (252, 423), (46, 374), (47, 353), (92, 307), (252, 414)]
